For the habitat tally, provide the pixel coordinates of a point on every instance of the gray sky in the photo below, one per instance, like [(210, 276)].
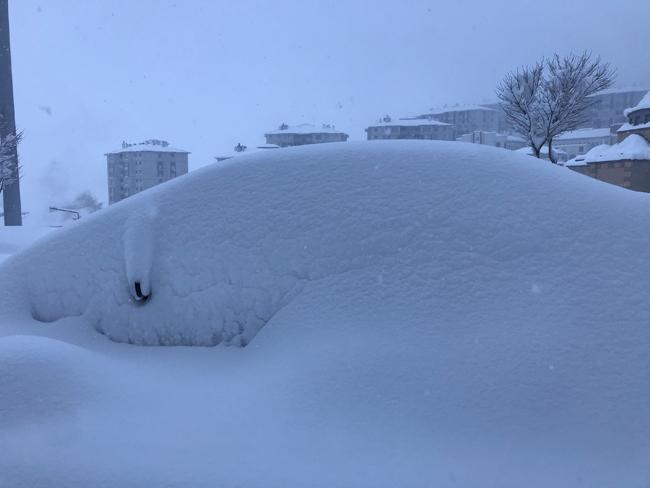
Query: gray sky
[(208, 74)]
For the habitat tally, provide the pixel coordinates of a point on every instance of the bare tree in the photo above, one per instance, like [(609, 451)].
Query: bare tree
[(570, 83), (520, 94), (552, 97)]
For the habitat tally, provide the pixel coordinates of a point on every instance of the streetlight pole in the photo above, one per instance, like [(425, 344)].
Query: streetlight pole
[(11, 191)]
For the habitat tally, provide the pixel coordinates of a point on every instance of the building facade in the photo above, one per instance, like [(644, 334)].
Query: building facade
[(388, 128), (136, 167), (609, 106), (626, 163), (505, 141), (302, 134), (470, 118), (581, 141)]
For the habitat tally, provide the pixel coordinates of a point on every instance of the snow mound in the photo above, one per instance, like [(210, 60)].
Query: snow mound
[(417, 313), (632, 147), (212, 257), (42, 378)]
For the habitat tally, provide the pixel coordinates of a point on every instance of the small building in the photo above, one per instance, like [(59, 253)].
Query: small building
[(389, 128), (136, 167), (581, 141), (506, 141), (626, 163), (299, 135), (638, 120)]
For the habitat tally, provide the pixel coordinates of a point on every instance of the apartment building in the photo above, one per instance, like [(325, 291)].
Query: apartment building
[(425, 128), (136, 167), (302, 134)]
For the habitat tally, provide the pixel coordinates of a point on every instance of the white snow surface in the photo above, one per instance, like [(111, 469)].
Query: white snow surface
[(417, 313), (147, 147), (632, 147), (15, 238)]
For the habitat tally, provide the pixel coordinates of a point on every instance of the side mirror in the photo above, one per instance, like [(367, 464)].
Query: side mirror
[(141, 297)]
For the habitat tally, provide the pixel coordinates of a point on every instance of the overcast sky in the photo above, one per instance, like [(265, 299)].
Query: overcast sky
[(206, 74)]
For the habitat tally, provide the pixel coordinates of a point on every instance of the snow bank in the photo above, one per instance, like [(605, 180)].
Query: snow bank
[(13, 239), (417, 313), (632, 147), (42, 378)]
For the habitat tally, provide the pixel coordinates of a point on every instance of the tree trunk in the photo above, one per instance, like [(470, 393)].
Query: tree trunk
[(11, 191), (536, 150), (550, 152)]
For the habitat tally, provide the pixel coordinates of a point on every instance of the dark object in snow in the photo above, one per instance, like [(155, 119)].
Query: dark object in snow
[(138, 293)]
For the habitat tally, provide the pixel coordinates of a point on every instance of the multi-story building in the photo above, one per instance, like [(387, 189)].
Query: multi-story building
[(388, 128), (506, 141), (581, 141), (469, 118), (136, 167), (609, 106), (302, 134), (626, 163)]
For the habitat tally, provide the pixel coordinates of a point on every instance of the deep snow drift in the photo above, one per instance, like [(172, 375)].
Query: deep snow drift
[(416, 314)]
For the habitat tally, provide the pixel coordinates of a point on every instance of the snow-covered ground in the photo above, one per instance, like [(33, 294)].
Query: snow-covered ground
[(13, 239), (416, 313)]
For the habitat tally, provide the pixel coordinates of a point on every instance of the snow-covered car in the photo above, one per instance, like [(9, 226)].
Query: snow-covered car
[(413, 313)]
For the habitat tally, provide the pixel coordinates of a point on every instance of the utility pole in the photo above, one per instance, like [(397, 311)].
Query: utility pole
[(11, 192)]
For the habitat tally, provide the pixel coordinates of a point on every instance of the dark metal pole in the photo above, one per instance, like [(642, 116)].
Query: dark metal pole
[(11, 192)]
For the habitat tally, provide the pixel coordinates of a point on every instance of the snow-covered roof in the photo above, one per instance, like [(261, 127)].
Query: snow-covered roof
[(459, 108), (632, 147), (249, 150), (577, 161), (408, 123), (585, 134), (514, 138), (628, 127), (612, 91), (306, 129), (152, 145), (642, 105)]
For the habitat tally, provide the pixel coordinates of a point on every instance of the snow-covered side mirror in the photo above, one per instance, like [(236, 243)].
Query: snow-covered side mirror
[(138, 238)]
